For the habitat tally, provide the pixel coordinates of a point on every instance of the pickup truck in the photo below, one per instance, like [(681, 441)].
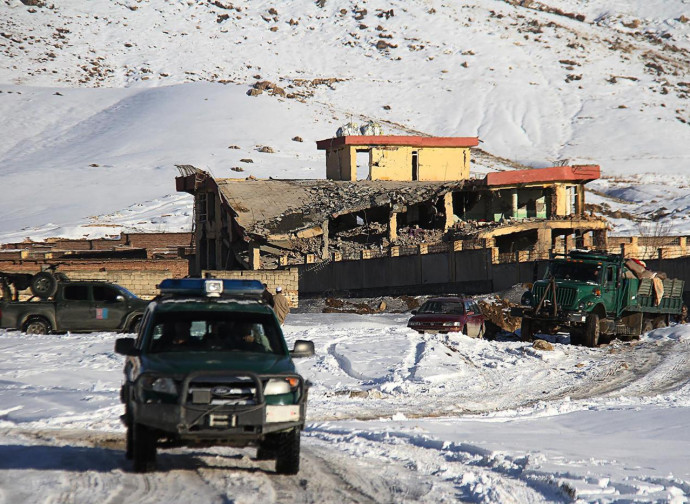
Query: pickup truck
[(596, 296), (81, 306)]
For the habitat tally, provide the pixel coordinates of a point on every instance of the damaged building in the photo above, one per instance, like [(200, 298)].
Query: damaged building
[(383, 196)]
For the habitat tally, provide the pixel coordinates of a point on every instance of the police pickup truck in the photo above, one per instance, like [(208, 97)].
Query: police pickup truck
[(209, 367), (74, 306)]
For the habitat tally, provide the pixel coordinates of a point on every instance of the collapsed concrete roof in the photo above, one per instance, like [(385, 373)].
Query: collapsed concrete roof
[(275, 209)]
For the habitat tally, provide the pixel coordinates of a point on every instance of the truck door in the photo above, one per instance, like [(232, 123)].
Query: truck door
[(609, 291), (72, 307), (109, 308)]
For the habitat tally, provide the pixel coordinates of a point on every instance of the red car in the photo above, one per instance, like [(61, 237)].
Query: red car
[(449, 314)]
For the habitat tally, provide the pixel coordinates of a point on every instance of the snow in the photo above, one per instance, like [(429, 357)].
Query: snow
[(393, 416), (104, 101), (101, 100)]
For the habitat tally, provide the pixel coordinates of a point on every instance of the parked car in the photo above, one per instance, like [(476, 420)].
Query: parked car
[(80, 306), (449, 314)]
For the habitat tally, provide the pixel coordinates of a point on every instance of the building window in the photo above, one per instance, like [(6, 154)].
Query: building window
[(415, 165)]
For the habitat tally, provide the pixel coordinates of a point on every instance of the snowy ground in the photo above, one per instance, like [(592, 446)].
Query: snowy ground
[(394, 416)]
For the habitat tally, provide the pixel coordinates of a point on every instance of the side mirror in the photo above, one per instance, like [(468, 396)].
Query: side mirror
[(414, 312), (120, 298), (303, 348), (125, 346)]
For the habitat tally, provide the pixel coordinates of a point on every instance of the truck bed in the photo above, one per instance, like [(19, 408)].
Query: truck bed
[(671, 301)]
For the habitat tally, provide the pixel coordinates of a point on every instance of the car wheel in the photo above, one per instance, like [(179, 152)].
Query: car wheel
[(143, 449), (43, 285), (36, 325), (287, 461)]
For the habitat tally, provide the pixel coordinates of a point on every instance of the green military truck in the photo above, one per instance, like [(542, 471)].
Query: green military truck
[(210, 367), (595, 296)]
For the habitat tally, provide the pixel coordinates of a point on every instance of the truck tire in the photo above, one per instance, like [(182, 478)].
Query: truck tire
[(287, 461), (659, 323), (43, 285), (36, 325), (526, 332), (592, 330), (135, 325), (143, 449), (647, 326)]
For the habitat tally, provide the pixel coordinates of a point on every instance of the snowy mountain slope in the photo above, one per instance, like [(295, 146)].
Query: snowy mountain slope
[(539, 82)]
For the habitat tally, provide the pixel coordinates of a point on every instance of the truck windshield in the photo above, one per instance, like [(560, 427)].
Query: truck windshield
[(215, 332), (579, 272)]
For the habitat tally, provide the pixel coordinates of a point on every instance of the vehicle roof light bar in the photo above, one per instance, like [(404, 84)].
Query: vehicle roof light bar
[(210, 287)]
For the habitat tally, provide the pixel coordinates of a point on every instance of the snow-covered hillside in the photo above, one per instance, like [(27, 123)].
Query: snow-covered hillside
[(102, 99)]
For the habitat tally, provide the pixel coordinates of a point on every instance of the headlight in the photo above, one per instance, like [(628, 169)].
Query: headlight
[(159, 384), (451, 324), (278, 386)]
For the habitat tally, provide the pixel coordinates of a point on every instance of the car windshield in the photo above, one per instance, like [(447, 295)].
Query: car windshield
[(448, 307), (581, 272), (215, 332)]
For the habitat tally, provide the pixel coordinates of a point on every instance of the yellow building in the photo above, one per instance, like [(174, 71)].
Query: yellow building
[(381, 157)]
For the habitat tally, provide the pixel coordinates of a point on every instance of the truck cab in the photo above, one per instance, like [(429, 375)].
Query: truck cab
[(210, 366)]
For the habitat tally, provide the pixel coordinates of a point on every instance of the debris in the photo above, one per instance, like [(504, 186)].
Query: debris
[(541, 344)]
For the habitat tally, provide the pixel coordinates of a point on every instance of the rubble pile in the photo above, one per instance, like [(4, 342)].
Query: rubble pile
[(497, 312)]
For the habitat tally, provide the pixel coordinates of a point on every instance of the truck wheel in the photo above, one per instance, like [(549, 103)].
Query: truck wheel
[(36, 325), (287, 461), (129, 443), (135, 325), (647, 326), (659, 323), (526, 333), (592, 330), (143, 449), (43, 285)]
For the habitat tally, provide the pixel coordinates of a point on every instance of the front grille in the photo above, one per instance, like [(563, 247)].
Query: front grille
[(237, 392), (565, 296)]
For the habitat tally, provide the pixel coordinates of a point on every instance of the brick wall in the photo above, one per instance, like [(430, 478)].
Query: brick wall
[(288, 279), (139, 276)]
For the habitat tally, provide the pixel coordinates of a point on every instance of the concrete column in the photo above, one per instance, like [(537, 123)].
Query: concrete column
[(392, 226), (283, 260), (254, 256), (457, 245), (448, 210), (544, 238), (337, 256), (309, 259), (395, 251), (514, 206), (423, 248)]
